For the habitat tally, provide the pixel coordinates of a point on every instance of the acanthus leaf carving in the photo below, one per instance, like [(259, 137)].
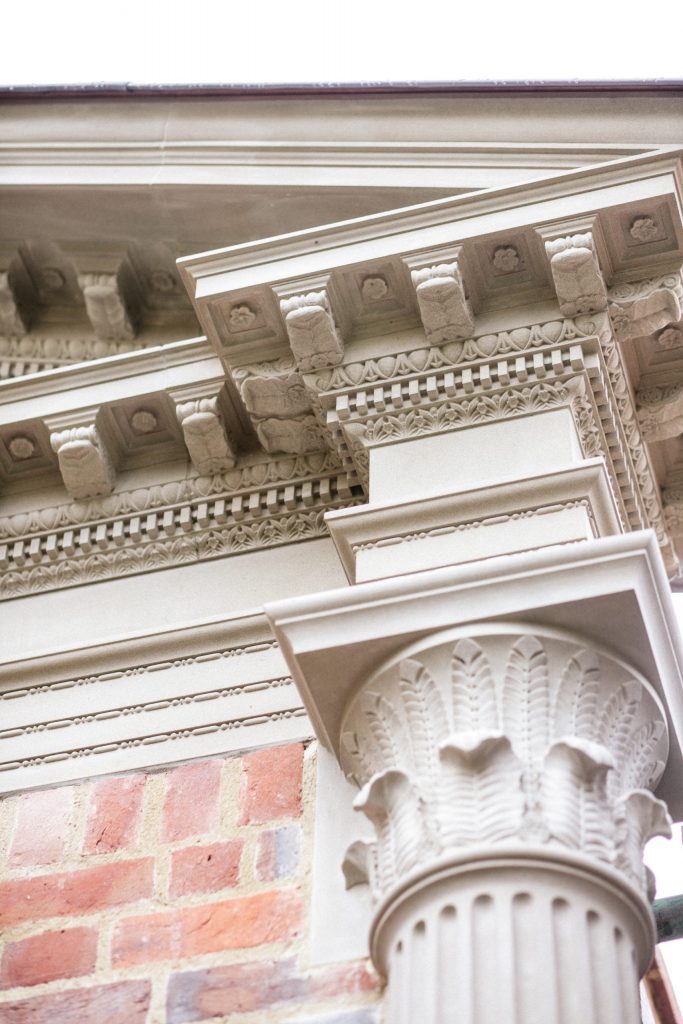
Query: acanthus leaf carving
[(298, 436), (312, 332), (640, 309), (576, 273), (525, 699), (84, 462), (474, 694), (205, 434), (639, 816), (444, 309), (481, 778), (660, 411)]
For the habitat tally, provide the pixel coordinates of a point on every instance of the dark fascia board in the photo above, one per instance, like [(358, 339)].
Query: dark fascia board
[(122, 90)]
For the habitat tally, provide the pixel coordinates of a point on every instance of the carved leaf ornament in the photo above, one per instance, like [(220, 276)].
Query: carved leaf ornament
[(522, 738)]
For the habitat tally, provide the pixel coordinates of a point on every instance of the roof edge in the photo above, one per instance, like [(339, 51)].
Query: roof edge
[(123, 90)]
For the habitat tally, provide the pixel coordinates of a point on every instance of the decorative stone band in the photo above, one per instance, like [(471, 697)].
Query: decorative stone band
[(507, 772), (507, 735), (187, 531), (427, 395), (21, 354)]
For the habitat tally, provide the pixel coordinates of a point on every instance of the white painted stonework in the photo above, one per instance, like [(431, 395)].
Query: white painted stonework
[(410, 481)]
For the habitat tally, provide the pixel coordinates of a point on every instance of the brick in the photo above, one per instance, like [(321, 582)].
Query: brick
[(249, 987), (190, 931), (271, 784), (277, 853), (75, 892), (114, 814), (205, 868), (125, 1002), (41, 827), (191, 804), (67, 953)]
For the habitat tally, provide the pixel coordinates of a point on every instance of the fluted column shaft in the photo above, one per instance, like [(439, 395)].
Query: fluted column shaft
[(508, 773)]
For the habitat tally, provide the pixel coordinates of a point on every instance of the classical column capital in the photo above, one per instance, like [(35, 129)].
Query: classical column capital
[(512, 735), (506, 733)]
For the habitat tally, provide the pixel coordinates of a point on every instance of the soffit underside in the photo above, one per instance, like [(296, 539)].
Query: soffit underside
[(276, 413)]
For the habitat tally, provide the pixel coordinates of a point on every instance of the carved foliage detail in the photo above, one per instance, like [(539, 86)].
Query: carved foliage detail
[(205, 435), (445, 312), (84, 462), (578, 280), (312, 332), (637, 310), (520, 738)]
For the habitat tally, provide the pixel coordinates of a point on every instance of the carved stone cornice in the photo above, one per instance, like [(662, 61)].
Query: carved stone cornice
[(660, 411), (152, 530), (416, 394), (89, 711)]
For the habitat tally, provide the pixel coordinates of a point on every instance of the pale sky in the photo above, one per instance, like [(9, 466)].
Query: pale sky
[(264, 41)]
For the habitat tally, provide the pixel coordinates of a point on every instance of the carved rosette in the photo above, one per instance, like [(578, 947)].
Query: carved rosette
[(515, 738), (508, 774)]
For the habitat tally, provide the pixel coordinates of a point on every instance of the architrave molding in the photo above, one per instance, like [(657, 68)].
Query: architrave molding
[(207, 688)]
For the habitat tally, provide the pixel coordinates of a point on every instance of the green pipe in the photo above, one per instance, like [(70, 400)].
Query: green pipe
[(669, 918)]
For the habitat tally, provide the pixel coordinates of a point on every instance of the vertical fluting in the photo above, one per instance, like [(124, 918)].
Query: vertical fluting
[(517, 952), (508, 777)]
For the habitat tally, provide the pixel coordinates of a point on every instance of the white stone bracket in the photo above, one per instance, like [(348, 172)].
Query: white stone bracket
[(208, 440), (311, 324), (572, 251), (85, 456), (112, 309)]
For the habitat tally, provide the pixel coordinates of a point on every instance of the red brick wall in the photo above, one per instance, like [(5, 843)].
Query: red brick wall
[(169, 897)]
